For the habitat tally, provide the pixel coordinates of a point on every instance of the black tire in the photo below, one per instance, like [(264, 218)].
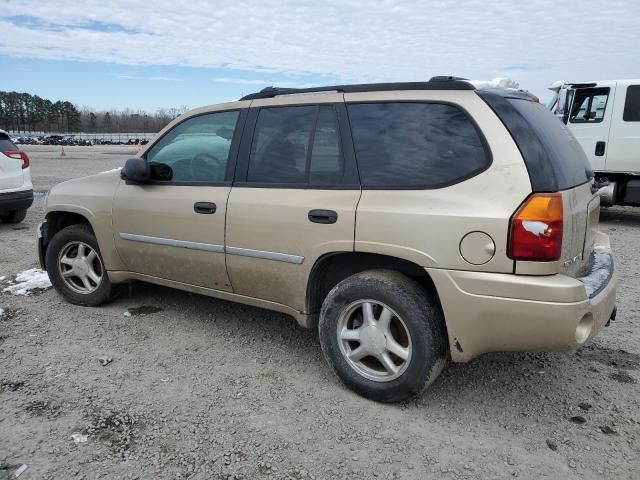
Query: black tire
[(421, 316), (76, 233), (14, 217)]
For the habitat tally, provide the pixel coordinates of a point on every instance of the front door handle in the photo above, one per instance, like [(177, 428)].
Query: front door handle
[(600, 149), (206, 208), (323, 216)]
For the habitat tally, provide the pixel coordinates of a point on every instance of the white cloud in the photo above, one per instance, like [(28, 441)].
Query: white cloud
[(536, 41), (250, 81), (166, 79), (127, 76)]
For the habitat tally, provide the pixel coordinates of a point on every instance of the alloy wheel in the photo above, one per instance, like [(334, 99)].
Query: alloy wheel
[(80, 267), (374, 340)]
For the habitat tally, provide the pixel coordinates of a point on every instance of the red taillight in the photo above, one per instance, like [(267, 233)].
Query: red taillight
[(536, 229), (18, 155)]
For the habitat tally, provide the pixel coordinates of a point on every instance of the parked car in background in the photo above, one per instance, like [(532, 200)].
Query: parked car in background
[(605, 118), (16, 190), (412, 222), (83, 140)]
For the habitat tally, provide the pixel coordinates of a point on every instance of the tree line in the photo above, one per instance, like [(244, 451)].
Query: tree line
[(23, 112)]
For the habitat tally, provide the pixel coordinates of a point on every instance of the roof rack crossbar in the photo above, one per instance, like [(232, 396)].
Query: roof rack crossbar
[(435, 83)]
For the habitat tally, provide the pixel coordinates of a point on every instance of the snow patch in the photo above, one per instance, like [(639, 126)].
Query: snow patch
[(599, 273), (29, 280), (79, 437), (2, 310), (500, 82)]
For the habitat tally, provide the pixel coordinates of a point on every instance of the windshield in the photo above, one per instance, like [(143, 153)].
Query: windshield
[(552, 104), (561, 102)]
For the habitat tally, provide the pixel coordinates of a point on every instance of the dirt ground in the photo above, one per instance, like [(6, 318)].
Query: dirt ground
[(206, 389)]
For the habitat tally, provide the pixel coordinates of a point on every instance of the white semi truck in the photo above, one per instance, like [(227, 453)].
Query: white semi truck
[(605, 118)]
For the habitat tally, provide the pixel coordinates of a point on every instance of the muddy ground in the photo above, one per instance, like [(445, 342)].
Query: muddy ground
[(206, 389)]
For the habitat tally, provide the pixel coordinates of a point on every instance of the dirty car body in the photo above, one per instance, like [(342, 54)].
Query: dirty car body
[(412, 222)]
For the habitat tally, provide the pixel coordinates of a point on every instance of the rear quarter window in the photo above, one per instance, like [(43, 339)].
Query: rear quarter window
[(415, 145), (6, 144)]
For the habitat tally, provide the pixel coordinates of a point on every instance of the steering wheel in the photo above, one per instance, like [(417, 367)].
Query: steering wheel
[(205, 165)]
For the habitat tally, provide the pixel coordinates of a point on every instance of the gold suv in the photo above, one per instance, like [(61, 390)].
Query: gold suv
[(412, 222)]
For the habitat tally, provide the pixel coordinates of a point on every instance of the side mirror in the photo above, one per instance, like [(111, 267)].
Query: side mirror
[(136, 170)]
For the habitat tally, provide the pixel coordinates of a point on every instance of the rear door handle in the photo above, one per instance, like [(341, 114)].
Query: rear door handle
[(206, 208), (323, 216), (600, 149)]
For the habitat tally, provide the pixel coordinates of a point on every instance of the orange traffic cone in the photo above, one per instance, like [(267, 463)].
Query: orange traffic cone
[(62, 154)]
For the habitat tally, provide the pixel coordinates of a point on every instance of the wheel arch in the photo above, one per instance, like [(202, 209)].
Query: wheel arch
[(56, 220), (331, 268)]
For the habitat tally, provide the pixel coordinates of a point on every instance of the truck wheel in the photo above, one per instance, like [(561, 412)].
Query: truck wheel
[(76, 268), (383, 335), (14, 217)]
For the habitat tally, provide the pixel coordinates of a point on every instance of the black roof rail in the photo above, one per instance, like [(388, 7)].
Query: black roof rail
[(447, 78), (436, 83)]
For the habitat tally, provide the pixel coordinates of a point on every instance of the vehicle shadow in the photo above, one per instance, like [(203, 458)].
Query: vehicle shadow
[(225, 317), (628, 216), (4, 227), (530, 377)]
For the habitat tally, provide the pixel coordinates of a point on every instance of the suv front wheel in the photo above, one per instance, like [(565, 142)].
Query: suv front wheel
[(383, 335), (75, 266)]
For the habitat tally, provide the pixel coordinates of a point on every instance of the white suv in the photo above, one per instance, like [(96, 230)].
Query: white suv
[(16, 190)]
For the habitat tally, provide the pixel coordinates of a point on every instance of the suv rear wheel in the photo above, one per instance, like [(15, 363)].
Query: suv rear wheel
[(383, 335), (75, 266)]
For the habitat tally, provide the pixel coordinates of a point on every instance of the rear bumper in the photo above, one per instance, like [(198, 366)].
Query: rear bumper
[(12, 201), (489, 312)]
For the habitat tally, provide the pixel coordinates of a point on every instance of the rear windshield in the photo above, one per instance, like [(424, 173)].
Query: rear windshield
[(554, 158), (5, 143), (568, 160)]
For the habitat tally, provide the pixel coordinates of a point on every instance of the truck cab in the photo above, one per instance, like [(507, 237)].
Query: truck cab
[(604, 116)]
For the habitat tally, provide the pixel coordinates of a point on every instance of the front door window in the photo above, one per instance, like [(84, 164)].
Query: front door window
[(194, 151), (589, 105)]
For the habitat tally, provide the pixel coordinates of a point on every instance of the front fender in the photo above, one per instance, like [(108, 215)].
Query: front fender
[(92, 198)]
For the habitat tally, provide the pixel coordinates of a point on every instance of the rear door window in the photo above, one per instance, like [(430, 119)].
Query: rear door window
[(632, 104), (280, 144), (415, 145), (297, 145)]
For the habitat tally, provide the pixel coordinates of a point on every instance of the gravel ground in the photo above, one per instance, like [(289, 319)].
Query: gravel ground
[(206, 389)]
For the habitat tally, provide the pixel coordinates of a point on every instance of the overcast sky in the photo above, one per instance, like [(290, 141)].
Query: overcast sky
[(167, 53)]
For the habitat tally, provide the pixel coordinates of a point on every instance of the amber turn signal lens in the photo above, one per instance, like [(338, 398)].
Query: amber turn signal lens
[(536, 228)]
